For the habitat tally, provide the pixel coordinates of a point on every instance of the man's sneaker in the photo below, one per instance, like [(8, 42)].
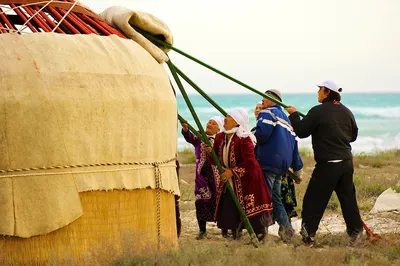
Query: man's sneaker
[(225, 234), (201, 235), (286, 234), (356, 240), (306, 238), (309, 241), (237, 234)]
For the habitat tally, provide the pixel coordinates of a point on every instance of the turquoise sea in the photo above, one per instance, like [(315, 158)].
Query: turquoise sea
[(377, 115)]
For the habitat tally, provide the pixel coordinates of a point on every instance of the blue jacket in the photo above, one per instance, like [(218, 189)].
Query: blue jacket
[(277, 149)]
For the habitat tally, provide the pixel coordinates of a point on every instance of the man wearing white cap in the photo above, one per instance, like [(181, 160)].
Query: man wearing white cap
[(207, 175), (277, 151), (332, 127)]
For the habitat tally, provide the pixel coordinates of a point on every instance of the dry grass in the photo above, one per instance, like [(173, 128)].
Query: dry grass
[(187, 156), (333, 251), (374, 173)]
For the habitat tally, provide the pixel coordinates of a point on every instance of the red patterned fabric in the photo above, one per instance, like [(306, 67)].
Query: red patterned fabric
[(248, 180)]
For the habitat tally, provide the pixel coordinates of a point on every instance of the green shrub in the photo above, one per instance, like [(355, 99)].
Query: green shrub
[(361, 155), (393, 252), (333, 203), (356, 180), (377, 164), (187, 193), (187, 150), (396, 188), (191, 159), (373, 190), (304, 152)]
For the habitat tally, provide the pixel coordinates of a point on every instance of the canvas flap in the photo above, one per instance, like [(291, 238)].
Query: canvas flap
[(125, 20)]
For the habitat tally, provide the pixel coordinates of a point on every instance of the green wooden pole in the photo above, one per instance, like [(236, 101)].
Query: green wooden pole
[(211, 101), (246, 221), (200, 91), (158, 41)]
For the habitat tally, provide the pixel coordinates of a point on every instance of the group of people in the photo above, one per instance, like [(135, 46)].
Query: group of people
[(256, 162)]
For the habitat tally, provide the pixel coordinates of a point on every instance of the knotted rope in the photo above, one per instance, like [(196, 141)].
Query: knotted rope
[(157, 174)]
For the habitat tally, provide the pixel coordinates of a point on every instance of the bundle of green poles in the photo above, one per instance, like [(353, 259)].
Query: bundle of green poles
[(176, 72)]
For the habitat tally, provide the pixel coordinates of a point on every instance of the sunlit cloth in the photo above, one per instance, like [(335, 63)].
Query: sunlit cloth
[(388, 201), (126, 20)]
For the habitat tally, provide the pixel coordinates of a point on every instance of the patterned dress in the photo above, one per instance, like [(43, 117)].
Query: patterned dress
[(248, 183), (288, 196), (206, 180)]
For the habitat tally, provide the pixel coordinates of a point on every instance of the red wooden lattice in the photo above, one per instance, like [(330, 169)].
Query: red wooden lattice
[(61, 16)]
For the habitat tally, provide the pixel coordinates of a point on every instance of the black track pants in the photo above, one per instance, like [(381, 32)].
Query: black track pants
[(326, 178)]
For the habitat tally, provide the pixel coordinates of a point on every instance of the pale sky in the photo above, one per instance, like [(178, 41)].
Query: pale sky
[(289, 45)]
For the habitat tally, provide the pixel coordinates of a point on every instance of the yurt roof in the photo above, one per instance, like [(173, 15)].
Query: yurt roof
[(62, 16)]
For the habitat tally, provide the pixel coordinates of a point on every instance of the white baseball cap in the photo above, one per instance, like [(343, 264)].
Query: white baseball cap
[(329, 84)]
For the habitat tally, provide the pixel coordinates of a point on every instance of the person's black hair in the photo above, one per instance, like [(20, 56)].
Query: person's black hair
[(333, 95)]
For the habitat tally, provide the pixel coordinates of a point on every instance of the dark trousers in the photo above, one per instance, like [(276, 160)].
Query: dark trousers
[(228, 216), (326, 178)]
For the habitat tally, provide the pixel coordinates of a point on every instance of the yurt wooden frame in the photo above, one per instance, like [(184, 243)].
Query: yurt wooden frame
[(61, 16)]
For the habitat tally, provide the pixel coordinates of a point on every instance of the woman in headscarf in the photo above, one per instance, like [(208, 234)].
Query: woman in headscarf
[(235, 150), (207, 175), (258, 109)]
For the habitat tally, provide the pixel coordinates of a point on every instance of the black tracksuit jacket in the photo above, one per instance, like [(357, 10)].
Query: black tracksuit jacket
[(332, 127)]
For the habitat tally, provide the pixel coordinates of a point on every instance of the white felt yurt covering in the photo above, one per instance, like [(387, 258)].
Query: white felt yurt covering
[(73, 100)]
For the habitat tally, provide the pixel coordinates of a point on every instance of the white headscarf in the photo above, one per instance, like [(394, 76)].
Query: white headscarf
[(242, 118), (220, 121), (260, 102)]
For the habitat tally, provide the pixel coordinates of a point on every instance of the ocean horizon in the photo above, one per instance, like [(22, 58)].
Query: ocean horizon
[(291, 93), (377, 115)]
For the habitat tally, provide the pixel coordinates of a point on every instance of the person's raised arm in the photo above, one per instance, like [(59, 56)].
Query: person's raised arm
[(189, 136), (306, 126)]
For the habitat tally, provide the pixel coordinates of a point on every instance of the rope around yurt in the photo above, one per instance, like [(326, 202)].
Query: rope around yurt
[(155, 165), (373, 237)]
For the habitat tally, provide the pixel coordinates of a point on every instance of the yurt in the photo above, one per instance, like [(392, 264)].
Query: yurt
[(88, 124)]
